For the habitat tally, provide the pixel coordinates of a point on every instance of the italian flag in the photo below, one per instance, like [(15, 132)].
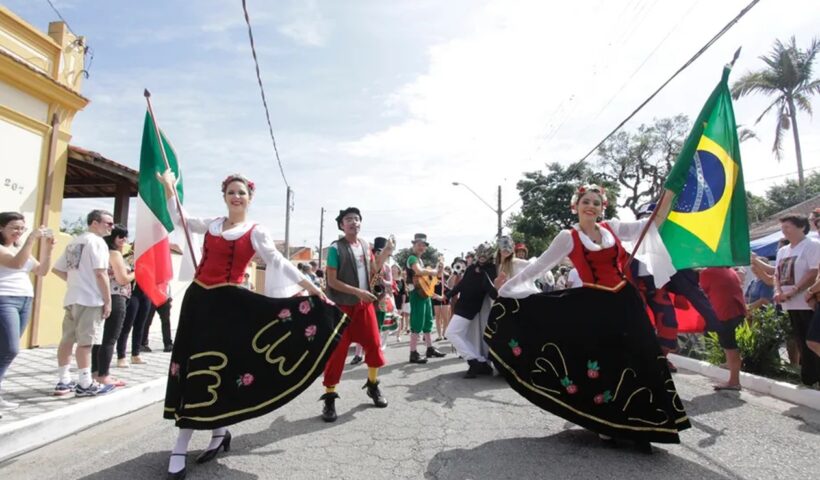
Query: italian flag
[(152, 267)]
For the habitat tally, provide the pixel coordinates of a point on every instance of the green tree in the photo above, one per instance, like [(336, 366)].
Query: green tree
[(788, 78), (545, 208), (758, 207), (429, 258), (639, 162), (788, 194), (73, 228)]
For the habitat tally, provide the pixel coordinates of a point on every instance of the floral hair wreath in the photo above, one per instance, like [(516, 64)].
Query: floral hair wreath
[(238, 177), (583, 189)]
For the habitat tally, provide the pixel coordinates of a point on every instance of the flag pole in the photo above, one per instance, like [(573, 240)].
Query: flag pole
[(661, 203), (168, 167)]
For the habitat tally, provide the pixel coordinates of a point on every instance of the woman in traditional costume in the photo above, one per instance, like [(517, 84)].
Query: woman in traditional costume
[(237, 354), (588, 355)]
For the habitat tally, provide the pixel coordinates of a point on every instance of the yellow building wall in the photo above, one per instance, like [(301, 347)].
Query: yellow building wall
[(41, 76)]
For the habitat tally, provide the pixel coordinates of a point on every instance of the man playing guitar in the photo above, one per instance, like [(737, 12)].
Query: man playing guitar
[(421, 307)]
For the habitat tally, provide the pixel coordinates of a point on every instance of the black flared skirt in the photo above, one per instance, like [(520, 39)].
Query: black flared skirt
[(591, 357), (239, 355)]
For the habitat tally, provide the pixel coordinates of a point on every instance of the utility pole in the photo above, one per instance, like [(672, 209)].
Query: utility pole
[(321, 232), (500, 213), (287, 225)]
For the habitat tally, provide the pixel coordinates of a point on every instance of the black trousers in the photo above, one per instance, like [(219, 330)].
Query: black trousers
[(164, 312), (809, 361), (101, 354), (135, 315)]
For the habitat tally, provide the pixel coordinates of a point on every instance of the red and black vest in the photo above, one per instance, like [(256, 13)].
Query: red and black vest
[(224, 261), (603, 268)]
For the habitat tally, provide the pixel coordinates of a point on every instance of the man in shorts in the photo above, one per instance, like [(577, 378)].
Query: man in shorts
[(87, 303)]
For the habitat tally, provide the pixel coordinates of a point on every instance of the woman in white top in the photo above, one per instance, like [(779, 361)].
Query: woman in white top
[(16, 291)]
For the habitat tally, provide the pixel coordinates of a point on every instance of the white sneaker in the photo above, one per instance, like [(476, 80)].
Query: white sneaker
[(6, 405)]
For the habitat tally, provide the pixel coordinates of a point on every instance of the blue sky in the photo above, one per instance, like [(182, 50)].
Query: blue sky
[(382, 105)]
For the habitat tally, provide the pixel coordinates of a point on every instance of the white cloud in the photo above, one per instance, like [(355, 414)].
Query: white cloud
[(306, 24)]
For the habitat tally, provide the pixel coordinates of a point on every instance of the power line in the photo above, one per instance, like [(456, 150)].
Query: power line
[(685, 65), (761, 179), (262, 90), (60, 16)]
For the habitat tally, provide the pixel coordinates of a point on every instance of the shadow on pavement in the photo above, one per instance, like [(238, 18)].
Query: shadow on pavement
[(568, 454), (809, 417), (154, 464), (281, 429)]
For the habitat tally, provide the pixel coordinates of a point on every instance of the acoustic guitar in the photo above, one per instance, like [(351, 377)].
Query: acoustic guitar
[(426, 284)]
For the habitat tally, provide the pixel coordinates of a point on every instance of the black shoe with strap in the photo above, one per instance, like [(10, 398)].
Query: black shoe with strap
[(180, 475), (434, 353), (374, 393), (329, 410), (209, 455), (357, 359)]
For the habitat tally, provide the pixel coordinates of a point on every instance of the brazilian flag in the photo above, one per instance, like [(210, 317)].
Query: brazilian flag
[(707, 225)]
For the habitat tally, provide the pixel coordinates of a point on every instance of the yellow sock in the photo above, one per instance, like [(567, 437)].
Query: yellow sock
[(331, 389), (372, 374)]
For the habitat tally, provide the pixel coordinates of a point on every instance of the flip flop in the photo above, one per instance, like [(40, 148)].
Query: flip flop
[(731, 388)]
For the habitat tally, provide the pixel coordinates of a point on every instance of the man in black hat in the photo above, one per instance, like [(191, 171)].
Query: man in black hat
[(421, 307), (350, 264)]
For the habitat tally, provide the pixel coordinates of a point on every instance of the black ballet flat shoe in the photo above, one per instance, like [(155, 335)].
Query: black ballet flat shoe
[(329, 410), (357, 359), (209, 455), (374, 393), (434, 353), (644, 447), (180, 475)]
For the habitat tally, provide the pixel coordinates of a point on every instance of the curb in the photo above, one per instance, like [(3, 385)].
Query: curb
[(24, 435), (781, 390)]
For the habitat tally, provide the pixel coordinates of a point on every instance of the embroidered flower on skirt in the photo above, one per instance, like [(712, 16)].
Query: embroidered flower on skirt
[(304, 307), (310, 332)]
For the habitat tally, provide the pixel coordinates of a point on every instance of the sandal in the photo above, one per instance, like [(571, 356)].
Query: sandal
[(731, 388)]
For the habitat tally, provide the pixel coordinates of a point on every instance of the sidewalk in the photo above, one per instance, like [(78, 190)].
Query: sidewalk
[(42, 418)]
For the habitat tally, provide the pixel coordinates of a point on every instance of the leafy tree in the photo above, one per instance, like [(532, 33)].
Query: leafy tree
[(73, 228), (788, 78), (429, 258), (546, 196), (757, 207), (788, 194), (639, 162)]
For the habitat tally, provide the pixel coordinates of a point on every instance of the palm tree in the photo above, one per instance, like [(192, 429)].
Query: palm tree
[(787, 77)]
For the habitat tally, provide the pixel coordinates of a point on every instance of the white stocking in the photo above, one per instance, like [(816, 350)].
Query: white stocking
[(177, 462), (217, 435)]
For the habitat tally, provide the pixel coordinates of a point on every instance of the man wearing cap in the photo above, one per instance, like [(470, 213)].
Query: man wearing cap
[(421, 308), (521, 251), (350, 264)]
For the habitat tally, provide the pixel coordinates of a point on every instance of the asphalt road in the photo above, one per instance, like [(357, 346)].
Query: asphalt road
[(440, 426)]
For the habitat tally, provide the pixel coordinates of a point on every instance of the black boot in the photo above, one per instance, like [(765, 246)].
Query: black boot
[(484, 368), (376, 394), (329, 410), (472, 370), (416, 358), (432, 352)]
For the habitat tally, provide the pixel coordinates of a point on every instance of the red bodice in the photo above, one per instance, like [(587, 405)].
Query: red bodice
[(604, 267), (224, 261)]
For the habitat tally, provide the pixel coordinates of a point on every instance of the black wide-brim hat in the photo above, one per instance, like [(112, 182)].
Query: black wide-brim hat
[(344, 212), (420, 237)]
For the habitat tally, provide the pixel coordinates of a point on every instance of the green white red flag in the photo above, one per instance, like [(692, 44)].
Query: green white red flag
[(152, 268)]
